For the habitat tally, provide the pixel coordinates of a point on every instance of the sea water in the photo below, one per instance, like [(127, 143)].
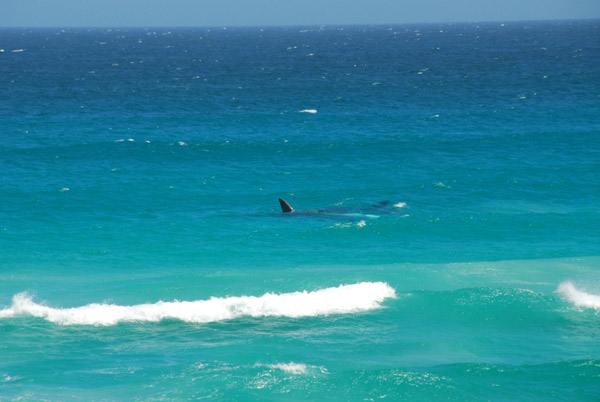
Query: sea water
[(451, 248)]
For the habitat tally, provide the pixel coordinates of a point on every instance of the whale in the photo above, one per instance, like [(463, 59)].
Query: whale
[(364, 212)]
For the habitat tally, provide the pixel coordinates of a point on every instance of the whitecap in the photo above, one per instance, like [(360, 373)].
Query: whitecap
[(400, 205), (361, 224), (6, 378), (578, 297), (291, 367), (344, 299), (311, 111), (339, 225)]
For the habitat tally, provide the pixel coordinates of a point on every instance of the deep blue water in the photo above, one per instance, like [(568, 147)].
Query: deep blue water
[(449, 174)]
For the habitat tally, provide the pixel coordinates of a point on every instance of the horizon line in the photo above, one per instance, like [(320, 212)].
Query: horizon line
[(297, 25)]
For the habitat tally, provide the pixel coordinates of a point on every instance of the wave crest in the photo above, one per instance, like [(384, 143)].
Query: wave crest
[(577, 297), (291, 367), (343, 299)]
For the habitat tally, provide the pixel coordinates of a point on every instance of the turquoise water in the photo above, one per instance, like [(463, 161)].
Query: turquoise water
[(444, 244)]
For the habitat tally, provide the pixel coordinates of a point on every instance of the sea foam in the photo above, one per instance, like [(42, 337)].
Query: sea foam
[(578, 297), (291, 367), (343, 299)]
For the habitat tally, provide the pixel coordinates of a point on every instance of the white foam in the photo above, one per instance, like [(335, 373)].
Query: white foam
[(441, 185), (400, 205), (311, 111), (361, 224), (291, 367), (343, 299), (339, 225), (7, 378), (577, 297)]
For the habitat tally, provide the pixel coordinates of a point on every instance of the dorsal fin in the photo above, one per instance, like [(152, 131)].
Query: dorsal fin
[(285, 207)]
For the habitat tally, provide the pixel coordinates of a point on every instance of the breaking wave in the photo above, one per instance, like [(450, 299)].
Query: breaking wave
[(291, 367), (577, 297), (343, 299)]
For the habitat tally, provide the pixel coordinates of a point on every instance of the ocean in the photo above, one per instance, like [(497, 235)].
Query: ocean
[(445, 243)]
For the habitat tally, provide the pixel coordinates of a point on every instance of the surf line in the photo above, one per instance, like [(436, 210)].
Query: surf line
[(344, 299)]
